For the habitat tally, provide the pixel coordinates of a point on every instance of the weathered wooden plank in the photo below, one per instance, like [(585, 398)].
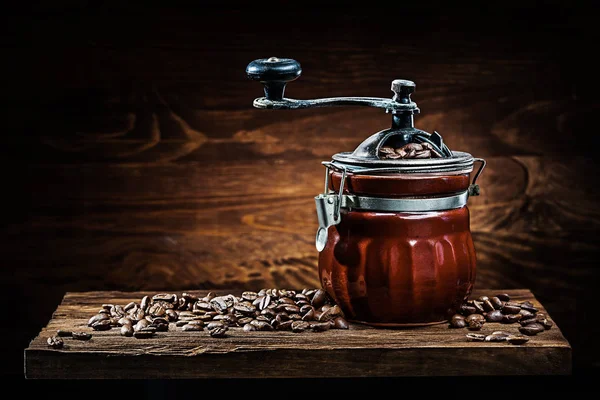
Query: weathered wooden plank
[(360, 351)]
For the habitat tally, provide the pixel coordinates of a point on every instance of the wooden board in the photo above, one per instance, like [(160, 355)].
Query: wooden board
[(360, 351)]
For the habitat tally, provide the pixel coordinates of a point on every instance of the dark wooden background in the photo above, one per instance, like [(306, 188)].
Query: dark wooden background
[(133, 160)]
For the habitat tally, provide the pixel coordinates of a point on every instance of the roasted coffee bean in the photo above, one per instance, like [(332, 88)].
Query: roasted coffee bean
[(531, 329), (137, 315), (494, 316), (149, 328), (517, 339), (143, 323), (285, 325), (143, 334), (263, 318), (310, 315), (244, 309), (546, 323), (219, 332), (511, 308), (250, 328), (503, 297), (300, 326), (180, 323), (511, 318), (129, 306), (55, 342), (340, 323), (467, 310), (192, 328), (157, 310), (306, 308), (478, 306), (63, 333), (209, 297), (250, 296), (114, 321), (528, 306), (318, 299), (310, 293), (475, 337), (526, 314), (282, 316), (171, 315), (274, 323), (264, 302), (496, 338), (501, 333), (145, 303), (320, 326), (269, 313), (189, 297), (103, 325), (97, 318), (168, 297), (103, 311), (108, 306), (527, 321), (474, 325), (117, 312), (124, 321), (475, 318), (161, 327), (488, 306), (215, 324), (286, 300), (245, 320), (202, 305), (458, 321), (482, 298), (82, 336), (497, 303), (219, 304), (262, 325), (295, 317), (300, 296)]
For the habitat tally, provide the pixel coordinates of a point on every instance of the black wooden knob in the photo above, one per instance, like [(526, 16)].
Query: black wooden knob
[(402, 90), (274, 73)]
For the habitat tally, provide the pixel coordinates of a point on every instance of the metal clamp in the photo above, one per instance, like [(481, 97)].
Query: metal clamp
[(474, 187)]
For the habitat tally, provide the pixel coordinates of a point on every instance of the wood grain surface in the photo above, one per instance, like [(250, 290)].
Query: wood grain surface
[(133, 159), (360, 351)]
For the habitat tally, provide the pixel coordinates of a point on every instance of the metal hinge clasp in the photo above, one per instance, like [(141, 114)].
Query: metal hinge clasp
[(328, 209)]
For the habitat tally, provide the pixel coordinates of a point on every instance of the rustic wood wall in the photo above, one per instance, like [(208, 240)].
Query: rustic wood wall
[(134, 160)]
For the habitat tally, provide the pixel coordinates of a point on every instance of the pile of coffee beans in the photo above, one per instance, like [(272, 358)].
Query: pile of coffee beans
[(265, 310), (410, 150), (473, 314)]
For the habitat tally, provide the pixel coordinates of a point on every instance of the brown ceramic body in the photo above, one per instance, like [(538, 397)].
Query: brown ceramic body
[(400, 269)]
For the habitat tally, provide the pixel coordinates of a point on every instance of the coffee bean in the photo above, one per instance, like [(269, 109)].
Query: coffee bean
[(285, 325), (310, 315), (143, 323), (331, 313), (497, 303), (318, 299), (245, 320), (295, 317), (129, 306), (137, 315), (527, 321), (475, 318), (292, 309), (103, 311), (157, 310), (340, 323), (145, 302), (180, 323), (82, 336), (262, 325), (478, 306), (264, 302), (467, 310), (531, 329), (269, 313), (189, 297), (517, 339), (215, 324), (511, 318), (283, 316), (97, 318), (192, 328), (474, 325), (306, 308), (503, 297), (488, 306), (546, 323), (171, 315), (319, 326), (219, 304), (55, 342), (219, 332), (250, 296), (475, 337), (124, 321), (496, 338), (511, 308), (482, 298), (143, 334), (528, 306), (300, 326), (209, 297), (250, 328), (161, 327), (103, 325), (63, 333), (526, 314), (286, 300), (457, 321), (117, 312), (494, 316), (167, 297), (244, 309), (149, 328), (300, 296)]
